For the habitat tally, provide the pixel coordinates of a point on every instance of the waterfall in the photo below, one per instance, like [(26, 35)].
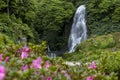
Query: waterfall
[(50, 53), (78, 30), (48, 49)]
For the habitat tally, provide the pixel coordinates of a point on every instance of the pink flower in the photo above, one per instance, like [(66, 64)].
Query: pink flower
[(36, 63), (63, 71), (49, 78), (2, 72), (24, 55), (25, 67), (1, 57), (90, 78), (47, 64), (24, 49), (24, 52), (92, 65), (6, 59), (67, 76), (42, 77)]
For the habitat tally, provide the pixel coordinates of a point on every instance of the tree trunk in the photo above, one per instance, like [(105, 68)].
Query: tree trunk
[(8, 10)]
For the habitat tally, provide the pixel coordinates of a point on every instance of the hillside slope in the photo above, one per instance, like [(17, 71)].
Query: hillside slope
[(96, 46)]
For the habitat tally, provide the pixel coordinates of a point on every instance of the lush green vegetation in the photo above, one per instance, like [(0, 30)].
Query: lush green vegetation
[(105, 51), (14, 18), (48, 22), (103, 16), (51, 20), (96, 45)]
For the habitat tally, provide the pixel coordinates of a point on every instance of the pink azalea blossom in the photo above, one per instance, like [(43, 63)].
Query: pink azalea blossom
[(25, 67), (92, 65), (67, 76), (2, 72), (7, 59), (42, 77), (49, 78), (24, 55), (63, 71), (90, 78), (1, 57), (36, 63), (47, 64), (24, 52), (24, 49)]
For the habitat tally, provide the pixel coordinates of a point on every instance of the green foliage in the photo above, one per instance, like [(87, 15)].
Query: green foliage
[(2, 4), (105, 14), (102, 16), (96, 45), (4, 40), (100, 42), (15, 63), (17, 18), (98, 49), (24, 9), (51, 20), (14, 27), (105, 51), (40, 48)]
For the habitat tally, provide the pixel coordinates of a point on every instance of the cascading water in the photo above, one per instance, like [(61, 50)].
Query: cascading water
[(78, 30), (48, 49), (50, 53)]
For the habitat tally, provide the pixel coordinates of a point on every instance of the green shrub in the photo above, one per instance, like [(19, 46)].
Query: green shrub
[(105, 51), (15, 28), (106, 62)]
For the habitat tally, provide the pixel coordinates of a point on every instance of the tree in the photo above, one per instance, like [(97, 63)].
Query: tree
[(51, 19), (16, 18), (2, 4), (102, 16)]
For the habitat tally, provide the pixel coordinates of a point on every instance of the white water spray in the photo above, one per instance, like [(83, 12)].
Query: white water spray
[(78, 31)]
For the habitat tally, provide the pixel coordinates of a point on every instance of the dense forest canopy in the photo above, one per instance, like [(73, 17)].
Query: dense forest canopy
[(51, 20)]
